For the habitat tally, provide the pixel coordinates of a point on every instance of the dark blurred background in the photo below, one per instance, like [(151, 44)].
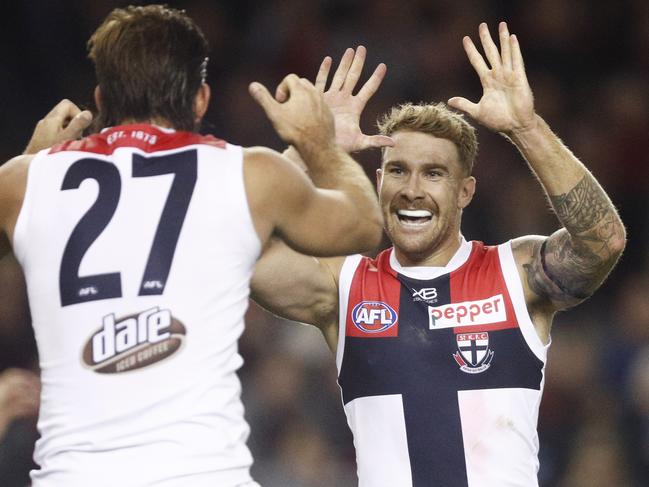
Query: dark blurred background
[(588, 64)]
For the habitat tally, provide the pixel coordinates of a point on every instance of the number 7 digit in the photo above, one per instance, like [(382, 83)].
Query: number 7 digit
[(183, 166)]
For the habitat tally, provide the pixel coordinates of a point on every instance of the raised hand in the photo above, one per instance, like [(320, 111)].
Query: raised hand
[(347, 107), (507, 103), (298, 113), (66, 121)]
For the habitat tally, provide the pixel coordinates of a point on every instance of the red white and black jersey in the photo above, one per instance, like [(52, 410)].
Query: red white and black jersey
[(138, 247), (441, 370)]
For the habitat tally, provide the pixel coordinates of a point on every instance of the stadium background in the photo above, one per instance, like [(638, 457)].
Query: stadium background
[(588, 64)]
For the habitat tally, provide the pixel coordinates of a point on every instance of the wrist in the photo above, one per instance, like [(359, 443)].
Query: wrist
[(316, 153), (521, 136)]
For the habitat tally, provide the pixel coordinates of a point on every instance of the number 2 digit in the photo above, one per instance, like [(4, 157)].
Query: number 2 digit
[(79, 289)]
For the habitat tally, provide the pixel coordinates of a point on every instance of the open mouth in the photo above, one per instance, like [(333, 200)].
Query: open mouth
[(414, 217)]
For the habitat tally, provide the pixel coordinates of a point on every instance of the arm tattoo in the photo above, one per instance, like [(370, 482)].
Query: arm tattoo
[(571, 264), (583, 207), (566, 278)]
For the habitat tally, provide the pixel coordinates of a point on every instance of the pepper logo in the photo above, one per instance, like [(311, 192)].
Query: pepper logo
[(133, 342), (469, 313), (374, 316)]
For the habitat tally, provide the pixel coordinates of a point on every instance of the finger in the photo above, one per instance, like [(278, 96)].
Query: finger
[(372, 84), (464, 105), (323, 74), (63, 110), (341, 72), (490, 49), (77, 125), (262, 96), (517, 57), (306, 83), (475, 58), (378, 141), (289, 84), (505, 48), (355, 70)]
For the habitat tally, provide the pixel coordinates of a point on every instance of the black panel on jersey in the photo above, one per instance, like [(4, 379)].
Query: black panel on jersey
[(419, 365)]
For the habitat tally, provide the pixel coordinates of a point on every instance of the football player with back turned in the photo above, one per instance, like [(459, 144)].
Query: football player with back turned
[(138, 244)]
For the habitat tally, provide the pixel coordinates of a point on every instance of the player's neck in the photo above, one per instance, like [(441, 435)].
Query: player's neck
[(158, 122), (440, 256)]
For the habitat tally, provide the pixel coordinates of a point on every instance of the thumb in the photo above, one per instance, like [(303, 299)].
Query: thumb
[(262, 96), (77, 125), (463, 105), (380, 141)]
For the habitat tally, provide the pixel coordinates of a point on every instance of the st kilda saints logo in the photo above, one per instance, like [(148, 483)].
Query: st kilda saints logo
[(133, 342), (473, 355)]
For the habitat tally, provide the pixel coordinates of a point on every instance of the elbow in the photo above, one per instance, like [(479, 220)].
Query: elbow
[(617, 241), (366, 235), (375, 230)]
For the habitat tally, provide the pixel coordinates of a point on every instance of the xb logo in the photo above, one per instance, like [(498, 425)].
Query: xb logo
[(424, 294)]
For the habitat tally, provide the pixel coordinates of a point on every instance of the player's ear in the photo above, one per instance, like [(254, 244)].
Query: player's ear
[(467, 190), (201, 101), (98, 102), (379, 179)]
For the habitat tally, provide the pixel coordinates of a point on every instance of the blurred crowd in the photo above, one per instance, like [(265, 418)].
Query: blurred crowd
[(588, 64)]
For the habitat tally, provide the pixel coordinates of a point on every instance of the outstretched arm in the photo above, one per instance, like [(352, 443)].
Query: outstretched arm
[(300, 287), (567, 267), (340, 216)]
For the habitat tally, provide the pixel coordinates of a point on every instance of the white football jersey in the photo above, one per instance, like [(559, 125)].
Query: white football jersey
[(138, 247)]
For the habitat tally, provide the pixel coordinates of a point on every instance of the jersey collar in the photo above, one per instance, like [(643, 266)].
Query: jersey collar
[(426, 273)]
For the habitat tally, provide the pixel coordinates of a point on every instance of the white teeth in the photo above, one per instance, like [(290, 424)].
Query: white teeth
[(415, 213)]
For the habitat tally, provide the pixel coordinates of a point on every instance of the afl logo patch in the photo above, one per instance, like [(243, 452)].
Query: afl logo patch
[(373, 316)]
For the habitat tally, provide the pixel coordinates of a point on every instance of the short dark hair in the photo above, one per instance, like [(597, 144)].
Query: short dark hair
[(150, 62)]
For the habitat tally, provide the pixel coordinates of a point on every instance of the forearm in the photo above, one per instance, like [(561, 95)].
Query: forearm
[(578, 257), (333, 168), (578, 200), (293, 155), (558, 170)]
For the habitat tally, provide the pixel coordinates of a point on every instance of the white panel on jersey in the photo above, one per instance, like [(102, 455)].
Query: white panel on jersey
[(344, 284), (515, 288), (379, 427), (500, 439)]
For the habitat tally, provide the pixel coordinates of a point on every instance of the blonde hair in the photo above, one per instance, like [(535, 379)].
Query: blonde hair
[(435, 119)]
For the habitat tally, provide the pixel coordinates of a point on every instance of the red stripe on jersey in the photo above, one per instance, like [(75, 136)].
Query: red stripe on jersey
[(479, 283), (141, 136), (373, 306)]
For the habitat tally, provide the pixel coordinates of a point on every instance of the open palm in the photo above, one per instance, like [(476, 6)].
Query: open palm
[(347, 107), (507, 103)]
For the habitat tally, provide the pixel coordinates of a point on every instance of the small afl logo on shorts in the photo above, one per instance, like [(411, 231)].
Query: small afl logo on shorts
[(373, 316)]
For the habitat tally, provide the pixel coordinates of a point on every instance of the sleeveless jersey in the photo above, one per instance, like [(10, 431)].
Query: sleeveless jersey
[(138, 248), (441, 371)]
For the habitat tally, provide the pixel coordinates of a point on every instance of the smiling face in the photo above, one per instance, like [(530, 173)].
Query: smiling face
[(422, 190)]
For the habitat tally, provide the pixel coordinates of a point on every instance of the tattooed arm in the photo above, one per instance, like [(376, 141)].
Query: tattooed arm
[(561, 270)]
